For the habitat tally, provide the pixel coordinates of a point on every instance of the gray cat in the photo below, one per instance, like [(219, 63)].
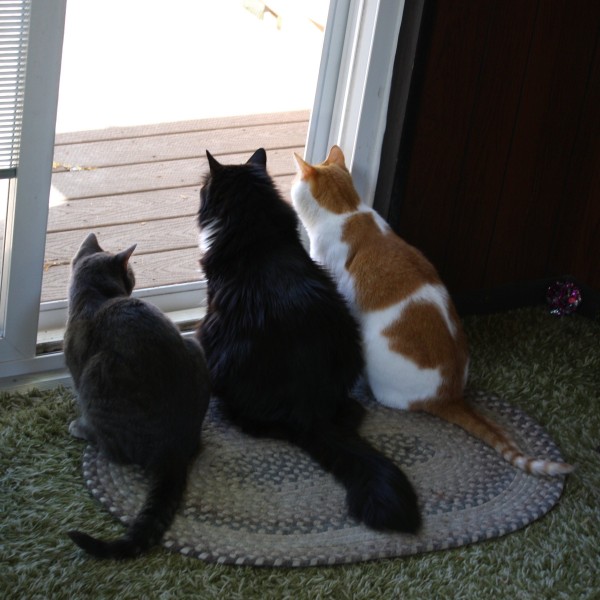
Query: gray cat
[(142, 390)]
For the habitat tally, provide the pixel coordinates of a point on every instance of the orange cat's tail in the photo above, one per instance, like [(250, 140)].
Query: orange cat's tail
[(462, 414)]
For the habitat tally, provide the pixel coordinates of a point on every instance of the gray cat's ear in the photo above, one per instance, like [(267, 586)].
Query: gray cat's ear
[(89, 246), (259, 158), (91, 243), (213, 163), (124, 256)]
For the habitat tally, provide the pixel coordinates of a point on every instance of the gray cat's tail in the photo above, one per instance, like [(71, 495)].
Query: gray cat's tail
[(157, 514)]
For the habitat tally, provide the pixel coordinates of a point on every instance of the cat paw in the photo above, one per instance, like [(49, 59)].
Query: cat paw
[(77, 429)]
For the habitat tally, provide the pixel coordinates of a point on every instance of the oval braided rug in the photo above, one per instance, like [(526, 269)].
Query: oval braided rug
[(264, 502)]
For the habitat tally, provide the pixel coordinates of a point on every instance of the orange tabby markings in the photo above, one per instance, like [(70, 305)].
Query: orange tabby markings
[(415, 349), (421, 335), (381, 283)]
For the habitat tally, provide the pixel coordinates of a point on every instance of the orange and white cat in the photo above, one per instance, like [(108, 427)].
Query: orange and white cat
[(415, 348)]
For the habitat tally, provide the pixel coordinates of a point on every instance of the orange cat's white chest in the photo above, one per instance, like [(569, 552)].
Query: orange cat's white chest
[(328, 249), (325, 230)]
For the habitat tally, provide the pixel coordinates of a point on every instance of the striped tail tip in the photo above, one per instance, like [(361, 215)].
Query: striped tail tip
[(537, 466)]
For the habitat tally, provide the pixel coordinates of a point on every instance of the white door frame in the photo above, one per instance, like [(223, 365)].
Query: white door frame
[(350, 109), (354, 86), (27, 212)]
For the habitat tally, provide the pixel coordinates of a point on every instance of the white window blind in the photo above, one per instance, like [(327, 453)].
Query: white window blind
[(14, 32)]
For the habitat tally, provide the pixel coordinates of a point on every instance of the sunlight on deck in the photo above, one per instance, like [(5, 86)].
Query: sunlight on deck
[(144, 91), (135, 62)]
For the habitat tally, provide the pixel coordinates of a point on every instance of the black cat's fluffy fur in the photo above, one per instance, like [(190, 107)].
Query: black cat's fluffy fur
[(282, 349), (142, 390)]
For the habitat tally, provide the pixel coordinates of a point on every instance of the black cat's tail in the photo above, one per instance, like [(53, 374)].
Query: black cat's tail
[(378, 493), (155, 517)]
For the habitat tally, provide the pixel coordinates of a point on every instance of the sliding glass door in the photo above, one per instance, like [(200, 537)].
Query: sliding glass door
[(349, 109)]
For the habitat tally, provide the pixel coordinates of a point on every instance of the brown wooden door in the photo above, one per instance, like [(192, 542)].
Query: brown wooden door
[(501, 182)]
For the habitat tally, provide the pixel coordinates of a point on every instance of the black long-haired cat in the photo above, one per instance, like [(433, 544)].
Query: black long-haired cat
[(142, 390), (282, 348)]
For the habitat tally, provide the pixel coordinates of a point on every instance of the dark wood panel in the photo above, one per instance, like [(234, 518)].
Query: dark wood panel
[(544, 140), (442, 123), (488, 146), (576, 239), (501, 178)]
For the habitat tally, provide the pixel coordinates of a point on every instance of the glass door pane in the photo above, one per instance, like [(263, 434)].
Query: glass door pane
[(136, 116), (359, 47)]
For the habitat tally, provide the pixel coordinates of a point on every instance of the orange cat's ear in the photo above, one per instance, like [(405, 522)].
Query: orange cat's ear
[(336, 157), (304, 169)]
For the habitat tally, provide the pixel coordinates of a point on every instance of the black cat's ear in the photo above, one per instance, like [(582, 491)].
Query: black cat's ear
[(123, 257), (259, 158), (213, 163)]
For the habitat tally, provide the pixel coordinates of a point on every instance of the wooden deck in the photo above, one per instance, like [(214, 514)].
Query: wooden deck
[(140, 185)]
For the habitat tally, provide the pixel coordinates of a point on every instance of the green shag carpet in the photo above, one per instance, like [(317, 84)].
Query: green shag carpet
[(548, 366)]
